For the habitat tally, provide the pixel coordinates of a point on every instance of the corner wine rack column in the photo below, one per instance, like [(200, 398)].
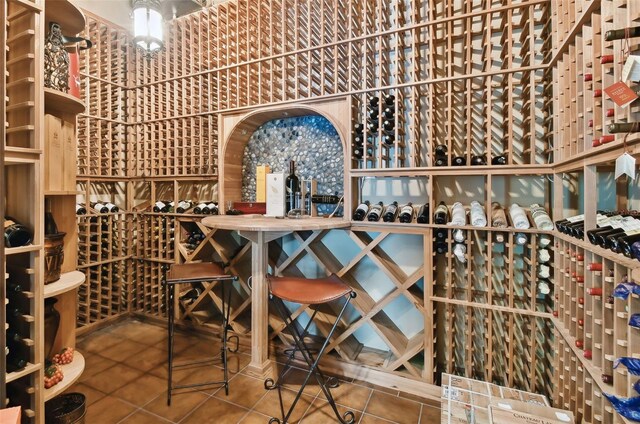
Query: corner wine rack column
[(592, 331), (23, 193)]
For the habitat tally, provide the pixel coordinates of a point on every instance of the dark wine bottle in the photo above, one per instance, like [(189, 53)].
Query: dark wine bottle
[(375, 212), (50, 226), (15, 363), (623, 127), (80, 209), (388, 125), (325, 199), (423, 214), (625, 243), (441, 214), (292, 184), (440, 248), (459, 161), (358, 128), (358, 140), (440, 234), (358, 152), (191, 295), (440, 150), (201, 208), (374, 101), (635, 250), (111, 208), (499, 160), (389, 139), (389, 112), (159, 206), (620, 34), (389, 99), (184, 205), (16, 234), (390, 212), (441, 161), (478, 160), (361, 211), (406, 213), (213, 208)]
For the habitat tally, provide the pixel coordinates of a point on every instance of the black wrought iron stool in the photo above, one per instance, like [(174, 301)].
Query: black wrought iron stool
[(311, 292), (199, 273)]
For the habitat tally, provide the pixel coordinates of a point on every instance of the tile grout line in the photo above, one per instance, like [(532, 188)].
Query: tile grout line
[(365, 406), (420, 415)]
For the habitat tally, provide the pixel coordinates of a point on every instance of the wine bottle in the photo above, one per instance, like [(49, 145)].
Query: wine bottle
[(100, 207), (406, 213), (80, 209), (111, 208), (441, 161), (459, 161), (519, 217), (595, 266), (609, 113), (16, 234), (440, 150), (440, 234), (563, 223), (440, 248), (213, 207), (543, 256), (441, 214), (623, 127), (183, 206), (423, 214), (375, 212), (361, 211), (607, 379), (499, 160), (325, 199), (388, 125), (358, 152), (625, 243), (50, 226), (389, 99), (292, 184), (541, 218), (374, 101), (458, 214), (358, 140), (373, 126), (588, 77), (459, 251), (459, 235), (15, 363), (606, 58), (358, 128), (159, 206), (594, 291), (388, 138), (608, 239), (389, 112), (520, 239), (604, 223), (588, 354), (390, 212), (477, 215), (478, 160), (498, 217), (201, 208), (620, 34), (191, 295), (373, 114)]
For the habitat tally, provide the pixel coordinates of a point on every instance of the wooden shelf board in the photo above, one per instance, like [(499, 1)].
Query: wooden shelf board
[(12, 376), (434, 171), (65, 13), (61, 193), (71, 373), (57, 101), (21, 156), (607, 254), (21, 249), (67, 281)]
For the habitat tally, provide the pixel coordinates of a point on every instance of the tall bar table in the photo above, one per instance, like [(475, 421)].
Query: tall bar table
[(260, 230)]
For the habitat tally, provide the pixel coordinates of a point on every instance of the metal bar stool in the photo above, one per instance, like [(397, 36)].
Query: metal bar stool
[(312, 292), (199, 273)]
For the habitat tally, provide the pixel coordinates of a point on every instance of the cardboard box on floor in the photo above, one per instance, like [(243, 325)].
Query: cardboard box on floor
[(466, 401), (507, 411)]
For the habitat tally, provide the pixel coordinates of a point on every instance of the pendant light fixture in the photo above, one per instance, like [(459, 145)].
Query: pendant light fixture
[(147, 26)]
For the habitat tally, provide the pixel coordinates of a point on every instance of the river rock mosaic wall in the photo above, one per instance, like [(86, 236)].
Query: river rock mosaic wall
[(311, 141)]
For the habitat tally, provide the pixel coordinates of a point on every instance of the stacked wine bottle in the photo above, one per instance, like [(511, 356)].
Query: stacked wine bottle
[(392, 212), (441, 158), (618, 231), (380, 123)]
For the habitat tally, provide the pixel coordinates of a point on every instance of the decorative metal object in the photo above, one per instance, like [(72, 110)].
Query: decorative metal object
[(56, 60)]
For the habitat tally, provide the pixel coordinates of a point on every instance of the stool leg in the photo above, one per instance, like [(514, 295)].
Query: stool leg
[(226, 306), (348, 417), (170, 341)]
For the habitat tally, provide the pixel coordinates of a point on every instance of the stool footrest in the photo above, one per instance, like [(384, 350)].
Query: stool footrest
[(190, 386), (198, 362)]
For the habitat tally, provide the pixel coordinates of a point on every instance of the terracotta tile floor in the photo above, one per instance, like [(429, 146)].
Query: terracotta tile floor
[(125, 382)]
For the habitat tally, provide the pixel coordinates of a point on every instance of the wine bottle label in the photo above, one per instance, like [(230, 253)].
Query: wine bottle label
[(407, 209), (201, 205), (442, 209), (574, 219), (363, 207), (8, 223), (159, 205), (110, 206), (458, 214), (459, 235), (519, 217)]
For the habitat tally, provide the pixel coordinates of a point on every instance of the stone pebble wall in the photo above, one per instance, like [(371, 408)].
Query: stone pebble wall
[(311, 141)]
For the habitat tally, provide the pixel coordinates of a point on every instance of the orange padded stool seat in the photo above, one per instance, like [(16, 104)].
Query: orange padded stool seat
[(308, 291)]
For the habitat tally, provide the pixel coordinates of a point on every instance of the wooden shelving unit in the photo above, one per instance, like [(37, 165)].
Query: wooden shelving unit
[(22, 105)]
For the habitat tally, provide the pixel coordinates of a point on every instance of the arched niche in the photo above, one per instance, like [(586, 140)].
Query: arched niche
[(235, 129)]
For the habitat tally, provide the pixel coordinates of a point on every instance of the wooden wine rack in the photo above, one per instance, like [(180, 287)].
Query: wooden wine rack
[(22, 106), (580, 118)]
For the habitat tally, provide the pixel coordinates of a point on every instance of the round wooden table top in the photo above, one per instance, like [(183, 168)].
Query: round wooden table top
[(264, 223)]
